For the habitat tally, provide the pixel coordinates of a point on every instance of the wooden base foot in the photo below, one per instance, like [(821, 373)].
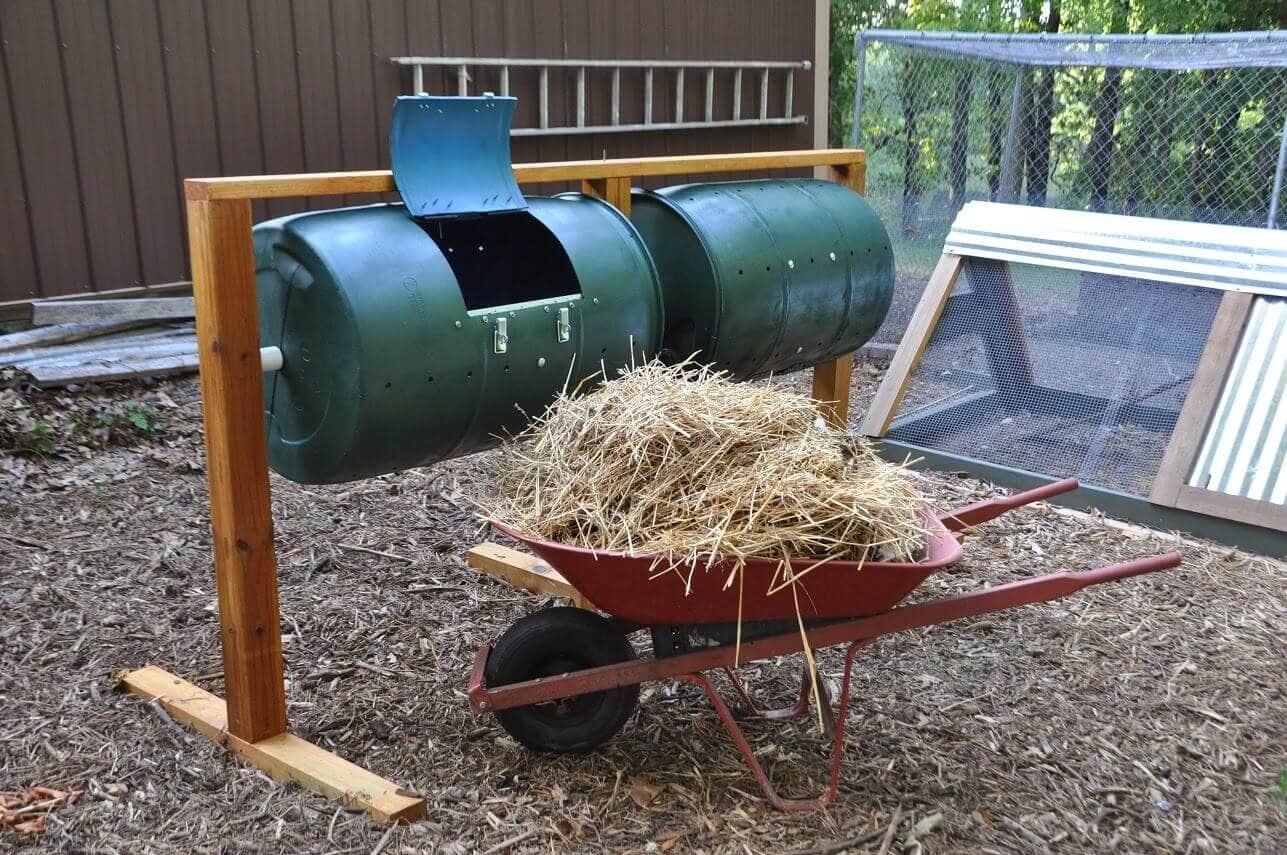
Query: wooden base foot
[(523, 571), (285, 756)]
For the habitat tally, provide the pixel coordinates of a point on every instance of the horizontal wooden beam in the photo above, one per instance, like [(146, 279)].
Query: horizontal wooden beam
[(381, 180), (285, 756), (523, 571)]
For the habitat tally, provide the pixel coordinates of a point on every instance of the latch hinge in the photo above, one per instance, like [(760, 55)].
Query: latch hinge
[(564, 326), (500, 340)]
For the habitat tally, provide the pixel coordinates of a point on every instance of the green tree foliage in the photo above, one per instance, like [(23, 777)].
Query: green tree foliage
[(1189, 144)]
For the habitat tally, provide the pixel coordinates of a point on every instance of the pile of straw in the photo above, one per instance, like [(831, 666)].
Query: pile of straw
[(682, 462)]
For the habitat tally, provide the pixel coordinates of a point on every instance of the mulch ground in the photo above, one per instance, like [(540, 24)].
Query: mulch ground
[(1145, 716)]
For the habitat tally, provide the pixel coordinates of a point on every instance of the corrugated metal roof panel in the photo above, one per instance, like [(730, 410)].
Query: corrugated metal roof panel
[(1245, 450), (1230, 258)]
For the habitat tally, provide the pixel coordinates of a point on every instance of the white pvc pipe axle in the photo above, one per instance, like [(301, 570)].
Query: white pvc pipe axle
[(270, 358)]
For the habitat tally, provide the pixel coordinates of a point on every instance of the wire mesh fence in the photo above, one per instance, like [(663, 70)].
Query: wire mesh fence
[(1090, 386), (1191, 128)]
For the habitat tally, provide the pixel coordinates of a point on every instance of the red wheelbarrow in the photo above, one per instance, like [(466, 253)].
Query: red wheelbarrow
[(567, 679)]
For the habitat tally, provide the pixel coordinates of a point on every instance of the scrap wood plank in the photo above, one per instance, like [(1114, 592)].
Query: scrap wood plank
[(523, 571), (128, 350), (85, 311), (62, 334), (94, 371), (147, 335), (285, 756)]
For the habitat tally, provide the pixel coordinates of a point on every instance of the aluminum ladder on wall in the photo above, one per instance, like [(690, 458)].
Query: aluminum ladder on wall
[(716, 71)]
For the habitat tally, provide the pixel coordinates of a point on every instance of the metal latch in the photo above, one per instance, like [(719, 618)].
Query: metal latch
[(564, 326), (500, 340)]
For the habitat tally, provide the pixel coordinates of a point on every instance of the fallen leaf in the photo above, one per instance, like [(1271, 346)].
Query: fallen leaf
[(31, 827), (643, 792)]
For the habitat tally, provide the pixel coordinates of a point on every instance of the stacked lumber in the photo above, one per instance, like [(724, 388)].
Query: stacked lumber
[(100, 340)]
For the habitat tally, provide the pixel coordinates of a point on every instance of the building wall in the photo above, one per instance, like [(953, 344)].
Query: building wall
[(106, 106)]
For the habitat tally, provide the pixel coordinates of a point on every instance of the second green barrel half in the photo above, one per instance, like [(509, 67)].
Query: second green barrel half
[(766, 276)]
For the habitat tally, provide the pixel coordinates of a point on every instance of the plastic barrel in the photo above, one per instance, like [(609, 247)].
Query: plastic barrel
[(763, 276), (389, 327)]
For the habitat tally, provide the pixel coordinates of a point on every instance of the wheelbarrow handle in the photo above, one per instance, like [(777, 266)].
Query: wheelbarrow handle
[(1127, 569), (989, 509)]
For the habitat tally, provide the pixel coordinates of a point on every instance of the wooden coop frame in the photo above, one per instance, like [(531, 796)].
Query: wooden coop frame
[(1243, 360), (251, 720)]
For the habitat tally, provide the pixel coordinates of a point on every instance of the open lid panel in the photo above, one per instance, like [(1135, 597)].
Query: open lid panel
[(451, 155)]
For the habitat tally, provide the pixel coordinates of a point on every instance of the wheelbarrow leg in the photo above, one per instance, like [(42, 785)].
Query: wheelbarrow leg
[(754, 710), (837, 741)]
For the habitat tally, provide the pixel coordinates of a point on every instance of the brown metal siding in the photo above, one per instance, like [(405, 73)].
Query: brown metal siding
[(106, 106)]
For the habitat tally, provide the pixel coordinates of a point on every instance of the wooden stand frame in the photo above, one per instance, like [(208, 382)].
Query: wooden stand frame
[(251, 720)]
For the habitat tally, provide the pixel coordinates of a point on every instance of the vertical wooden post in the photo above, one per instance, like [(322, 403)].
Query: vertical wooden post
[(880, 413), (852, 175), (614, 191), (831, 380), (1202, 398), (223, 282), (831, 390), (1004, 338)]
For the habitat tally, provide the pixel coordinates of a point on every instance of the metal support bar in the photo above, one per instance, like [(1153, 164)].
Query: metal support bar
[(660, 126), (525, 62), (679, 95), (616, 96), (462, 80), (418, 79), (710, 94), (790, 93), (836, 717), (737, 94), (504, 81), (1272, 222), (860, 47), (545, 98), (764, 93), (647, 120), (580, 97)]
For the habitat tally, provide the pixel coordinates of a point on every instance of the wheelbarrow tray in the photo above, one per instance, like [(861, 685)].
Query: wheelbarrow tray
[(646, 590)]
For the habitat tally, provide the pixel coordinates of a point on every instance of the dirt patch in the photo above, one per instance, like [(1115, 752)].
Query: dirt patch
[(1145, 716)]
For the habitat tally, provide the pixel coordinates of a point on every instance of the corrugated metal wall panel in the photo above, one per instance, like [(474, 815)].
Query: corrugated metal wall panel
[(17, 252), (94, 108), (106, 106), (46, 150), (1245, 450), (149, 140)]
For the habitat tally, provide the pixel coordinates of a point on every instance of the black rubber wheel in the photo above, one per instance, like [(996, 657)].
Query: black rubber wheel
[(556, 641)]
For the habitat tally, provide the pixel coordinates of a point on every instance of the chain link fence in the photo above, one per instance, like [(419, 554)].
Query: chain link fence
[(1177, 127)]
